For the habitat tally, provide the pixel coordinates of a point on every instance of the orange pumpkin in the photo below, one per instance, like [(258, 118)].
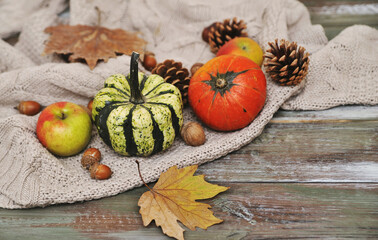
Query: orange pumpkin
[(227, 92)]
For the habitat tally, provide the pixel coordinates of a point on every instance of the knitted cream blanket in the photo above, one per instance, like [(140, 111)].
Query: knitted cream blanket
[(341, 71)]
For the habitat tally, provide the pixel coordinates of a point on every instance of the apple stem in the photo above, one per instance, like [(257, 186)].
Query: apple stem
[(63, 116)]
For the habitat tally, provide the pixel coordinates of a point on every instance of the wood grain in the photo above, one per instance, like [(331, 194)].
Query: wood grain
[(249, 211), (320, 146), (335, 16), (343, 113)]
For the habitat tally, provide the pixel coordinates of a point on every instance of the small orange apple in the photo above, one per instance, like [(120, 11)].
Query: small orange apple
[(243, 46)]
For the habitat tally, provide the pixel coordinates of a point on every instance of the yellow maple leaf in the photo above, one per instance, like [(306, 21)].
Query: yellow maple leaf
[(173, 198)]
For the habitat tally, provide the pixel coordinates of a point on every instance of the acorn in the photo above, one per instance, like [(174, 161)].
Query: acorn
[(195, 67), (100, 171), (149, 61), (90, 104), (29, 108), (90, 157), (193, 134)]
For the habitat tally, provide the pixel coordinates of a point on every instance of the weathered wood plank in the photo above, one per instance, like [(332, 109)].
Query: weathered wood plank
[(336, 3), (313, 146), (335, 16), (304, 210), (337, 114), (344, 20), (248, 210)]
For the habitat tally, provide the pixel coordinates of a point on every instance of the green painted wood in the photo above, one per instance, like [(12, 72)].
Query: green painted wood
[(249, 210), (336, 145), (327, 3), (334, 24), (336, 15), (336, 114)]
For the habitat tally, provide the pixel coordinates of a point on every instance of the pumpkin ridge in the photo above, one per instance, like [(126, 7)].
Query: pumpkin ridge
[(254, 89), (115, 122), (195, 83), (154, 88), (106, 95), (175, 119), (215, 95), (131, 146), (210, 107), (226, 105), (163, 118), (231, 75), (102, 118), (163, 93), (238, 103), (119, 90), (202, 96), (118, 81), (229, 65), (157, 134)]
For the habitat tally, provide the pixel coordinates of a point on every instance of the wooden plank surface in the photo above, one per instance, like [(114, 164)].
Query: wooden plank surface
[(335, 145), (336, 15), (249, 211)]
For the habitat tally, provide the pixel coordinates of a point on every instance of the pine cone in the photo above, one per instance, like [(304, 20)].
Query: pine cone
[(286, 64), (218, 33), (175, 74)]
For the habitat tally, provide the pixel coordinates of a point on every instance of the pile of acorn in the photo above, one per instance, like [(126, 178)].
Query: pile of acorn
[(91, 161)]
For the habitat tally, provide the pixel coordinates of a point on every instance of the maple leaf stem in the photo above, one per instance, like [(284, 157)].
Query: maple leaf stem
[(140, 175), (98, 16)]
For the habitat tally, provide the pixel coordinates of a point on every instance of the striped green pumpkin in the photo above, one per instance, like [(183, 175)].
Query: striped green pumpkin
[(138, 114)]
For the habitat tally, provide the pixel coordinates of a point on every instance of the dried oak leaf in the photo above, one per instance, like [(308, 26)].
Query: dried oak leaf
[(173, 198), (91, 43)]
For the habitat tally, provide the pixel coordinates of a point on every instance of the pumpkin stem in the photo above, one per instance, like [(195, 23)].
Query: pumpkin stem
[(220, 83), (136, 95)]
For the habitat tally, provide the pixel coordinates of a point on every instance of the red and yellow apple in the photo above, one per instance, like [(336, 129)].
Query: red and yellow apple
[(64, 128), (243, 46)]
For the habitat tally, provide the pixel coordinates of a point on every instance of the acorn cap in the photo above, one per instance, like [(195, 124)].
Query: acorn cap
[(87, 161), (90, 156)]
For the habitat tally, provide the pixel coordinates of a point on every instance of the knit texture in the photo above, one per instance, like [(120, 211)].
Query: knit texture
[(15, 13), (342, 71)]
